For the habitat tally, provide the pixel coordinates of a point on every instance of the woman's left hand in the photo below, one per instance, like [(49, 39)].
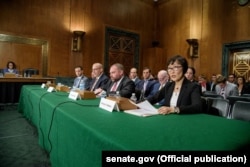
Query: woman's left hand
[(166, 110)]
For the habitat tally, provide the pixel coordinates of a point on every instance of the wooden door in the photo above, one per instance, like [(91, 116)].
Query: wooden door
[(121, 47), (240, 63)]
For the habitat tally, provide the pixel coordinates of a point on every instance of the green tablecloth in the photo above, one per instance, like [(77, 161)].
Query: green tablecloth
[(76, 132)]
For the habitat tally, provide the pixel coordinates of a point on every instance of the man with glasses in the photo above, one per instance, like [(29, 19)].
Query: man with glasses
[(99, 78)]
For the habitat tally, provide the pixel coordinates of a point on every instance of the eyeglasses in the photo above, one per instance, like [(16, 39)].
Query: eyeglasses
[(175, 68)]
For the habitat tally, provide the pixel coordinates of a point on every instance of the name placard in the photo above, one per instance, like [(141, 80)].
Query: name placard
[(74, 95), (107, 104), (43, 85), (51, 89)]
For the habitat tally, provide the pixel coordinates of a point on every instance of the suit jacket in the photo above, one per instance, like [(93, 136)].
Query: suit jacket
[(103, 79), (189, 100), (137, 81), (77, 81), (6, 70), (126, 87), (149, 92), (230, 89)]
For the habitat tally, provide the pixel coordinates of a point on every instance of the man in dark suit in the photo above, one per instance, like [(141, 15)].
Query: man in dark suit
[(133, 76), (145, 88), (117, 82), (99, 78)]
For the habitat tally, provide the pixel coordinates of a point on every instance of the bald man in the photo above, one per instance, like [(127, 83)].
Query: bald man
[(99, 78)]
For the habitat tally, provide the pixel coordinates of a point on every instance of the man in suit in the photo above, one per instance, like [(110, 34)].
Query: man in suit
[(80, 78), (145, 87), (163, 78), (133, 76), (99, 79), (225, 88), (117, 82)]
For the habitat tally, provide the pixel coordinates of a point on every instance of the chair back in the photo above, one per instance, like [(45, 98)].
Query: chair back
[(217, 106), (212, 94), (241, 110), (245, 95), (31, 71), (233, 99)]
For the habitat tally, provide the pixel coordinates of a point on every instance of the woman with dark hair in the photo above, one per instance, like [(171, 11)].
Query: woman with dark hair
[(180, 96), (10, 68), (190, 74), (242, 87)]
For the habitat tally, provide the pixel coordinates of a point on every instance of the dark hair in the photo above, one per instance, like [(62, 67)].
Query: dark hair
[(193, 70), (147, 68), (243, 79), (181, 60), (14, 65), (79, 67)]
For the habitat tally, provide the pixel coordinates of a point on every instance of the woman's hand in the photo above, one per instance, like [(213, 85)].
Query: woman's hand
[(166, 110)]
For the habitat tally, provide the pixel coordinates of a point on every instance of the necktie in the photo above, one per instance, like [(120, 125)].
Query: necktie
[(160, 86), (94, 84), (114, 87)]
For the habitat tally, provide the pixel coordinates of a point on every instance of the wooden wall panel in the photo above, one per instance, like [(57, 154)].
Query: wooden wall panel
[(25, 56), (222, 21)]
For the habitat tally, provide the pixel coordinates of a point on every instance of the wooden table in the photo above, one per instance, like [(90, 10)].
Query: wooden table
[(10, 87)]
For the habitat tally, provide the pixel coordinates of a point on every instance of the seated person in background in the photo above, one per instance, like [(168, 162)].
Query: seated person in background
[(181, 95), (145, 87), (241, 85), (205, 86), (212, 82), (133, 76), (80, 82), (99, 79), (163, 78), (117, 82), (225, 88), (232, 79), (10, 68), (190, 74)]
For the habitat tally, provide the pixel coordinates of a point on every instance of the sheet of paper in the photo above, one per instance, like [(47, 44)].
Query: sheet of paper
[(145, 110)]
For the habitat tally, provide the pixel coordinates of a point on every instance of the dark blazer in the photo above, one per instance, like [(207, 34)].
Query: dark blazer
[(149, 92), (126, 87), (103, 79), (189, 100)]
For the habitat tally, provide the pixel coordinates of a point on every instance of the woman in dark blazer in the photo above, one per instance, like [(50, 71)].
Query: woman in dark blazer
[(180, 96)]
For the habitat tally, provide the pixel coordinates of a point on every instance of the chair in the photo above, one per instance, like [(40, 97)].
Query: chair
[(212, 94), (30, 71), (218, 106), (245, 95), (241, 110), (233, 99)]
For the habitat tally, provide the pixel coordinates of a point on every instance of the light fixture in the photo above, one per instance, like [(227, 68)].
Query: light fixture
[(77, 40), (193, 47)]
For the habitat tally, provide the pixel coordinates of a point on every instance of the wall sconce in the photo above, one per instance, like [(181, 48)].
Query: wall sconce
[(193, 47), (77, 40)]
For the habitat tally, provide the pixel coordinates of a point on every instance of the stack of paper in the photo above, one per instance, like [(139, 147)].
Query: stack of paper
[(145, 110)]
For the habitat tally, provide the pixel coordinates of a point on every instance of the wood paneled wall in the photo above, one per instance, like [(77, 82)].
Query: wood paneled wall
[(222, 21), (170, 22)]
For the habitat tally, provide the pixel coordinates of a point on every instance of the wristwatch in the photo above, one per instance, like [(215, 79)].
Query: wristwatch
[(176, 110)]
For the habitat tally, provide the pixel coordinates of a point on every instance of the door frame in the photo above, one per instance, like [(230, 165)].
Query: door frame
[(227, 49)]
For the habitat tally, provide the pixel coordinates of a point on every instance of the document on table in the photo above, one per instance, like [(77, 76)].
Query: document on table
[(145, 110)]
